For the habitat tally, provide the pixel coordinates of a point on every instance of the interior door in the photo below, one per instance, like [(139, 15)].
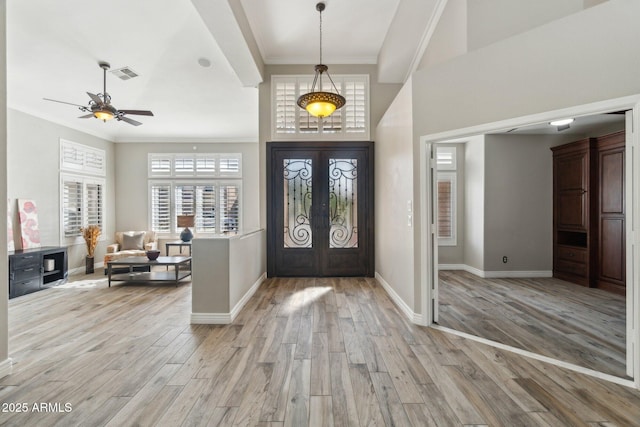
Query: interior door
[(320, 209)]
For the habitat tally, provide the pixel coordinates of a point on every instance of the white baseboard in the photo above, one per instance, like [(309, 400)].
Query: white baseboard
[(210, 318), (246, 297), (227, 318), (6, 366), (496, 274), (396, 298)]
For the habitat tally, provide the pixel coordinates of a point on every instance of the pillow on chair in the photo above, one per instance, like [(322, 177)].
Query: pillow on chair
[(132, 241)]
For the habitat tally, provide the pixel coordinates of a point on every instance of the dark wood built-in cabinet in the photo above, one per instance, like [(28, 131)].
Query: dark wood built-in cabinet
[(588, 212), (31, 270)]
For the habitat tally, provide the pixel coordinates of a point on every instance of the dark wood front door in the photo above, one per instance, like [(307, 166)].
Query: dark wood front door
[(320, 209)]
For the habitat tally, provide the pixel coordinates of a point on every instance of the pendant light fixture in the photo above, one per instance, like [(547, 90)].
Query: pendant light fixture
[(320, 103)]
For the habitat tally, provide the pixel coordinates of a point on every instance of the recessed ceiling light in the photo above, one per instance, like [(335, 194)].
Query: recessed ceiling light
[(562, 122), (204, 62)]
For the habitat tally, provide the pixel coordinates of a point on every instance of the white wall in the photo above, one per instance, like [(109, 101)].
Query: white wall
[(513, 78), (394, 189), (494, 20), (34, 173), (474, 187), (591, 61), (450, 36), (518, 203), (132, 185)]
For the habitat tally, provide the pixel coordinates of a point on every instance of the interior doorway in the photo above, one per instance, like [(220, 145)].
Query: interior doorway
[(320, 209), (625, 333)]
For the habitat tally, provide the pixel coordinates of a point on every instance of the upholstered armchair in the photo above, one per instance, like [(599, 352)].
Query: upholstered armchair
[(130, 243)]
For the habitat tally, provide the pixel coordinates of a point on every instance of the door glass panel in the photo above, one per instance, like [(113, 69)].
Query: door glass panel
[(297, 177), (343, 203)]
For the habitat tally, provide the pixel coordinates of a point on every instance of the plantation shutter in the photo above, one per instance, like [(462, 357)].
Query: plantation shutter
[(94, 204), (205, 165), (184, 165), (72, 207), (290, 121), (71, 157), (161, 208), (285, 107), (445, 198), (205, 209), (94, 162), (229, 207), (230, 166), (159, 165), (355, 109), (78, 157)]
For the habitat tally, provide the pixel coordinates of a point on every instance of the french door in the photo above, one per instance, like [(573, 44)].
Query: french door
[(320, 209)]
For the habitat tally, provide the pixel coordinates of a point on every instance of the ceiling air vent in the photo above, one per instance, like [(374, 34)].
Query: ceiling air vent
[(124, 73)]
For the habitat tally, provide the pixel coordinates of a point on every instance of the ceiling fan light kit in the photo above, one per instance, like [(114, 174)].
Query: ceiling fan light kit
[(100, 105), (320, 103)]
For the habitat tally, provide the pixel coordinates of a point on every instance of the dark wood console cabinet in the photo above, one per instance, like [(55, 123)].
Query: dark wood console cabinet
[(588, 212), (31, 270)]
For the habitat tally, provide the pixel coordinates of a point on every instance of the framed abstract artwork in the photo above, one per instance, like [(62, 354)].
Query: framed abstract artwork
[(28, 215)]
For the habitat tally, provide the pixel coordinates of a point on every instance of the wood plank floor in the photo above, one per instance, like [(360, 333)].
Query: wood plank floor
[(551, 317), (303, 352)]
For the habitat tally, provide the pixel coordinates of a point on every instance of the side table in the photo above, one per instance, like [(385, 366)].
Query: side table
[(178, 243)]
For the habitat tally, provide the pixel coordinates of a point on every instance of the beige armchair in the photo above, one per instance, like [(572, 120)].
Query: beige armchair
[(130, 243)]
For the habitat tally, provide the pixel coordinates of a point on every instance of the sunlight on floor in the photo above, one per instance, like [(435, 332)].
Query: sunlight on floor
[(83, 284), (303, 298)]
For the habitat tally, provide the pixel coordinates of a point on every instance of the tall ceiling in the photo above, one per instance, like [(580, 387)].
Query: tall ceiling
[(53, 50)]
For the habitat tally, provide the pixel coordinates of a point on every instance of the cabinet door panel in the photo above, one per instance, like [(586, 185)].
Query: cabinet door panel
[(612, 182), (571, 210), (573, 172)]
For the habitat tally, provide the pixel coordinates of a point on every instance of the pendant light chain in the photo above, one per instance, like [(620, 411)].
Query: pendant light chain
[(320, 103), (320, 36)]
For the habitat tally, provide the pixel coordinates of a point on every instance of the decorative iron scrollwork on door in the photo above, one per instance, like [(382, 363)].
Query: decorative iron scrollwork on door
[(343, 203), (297, 179)]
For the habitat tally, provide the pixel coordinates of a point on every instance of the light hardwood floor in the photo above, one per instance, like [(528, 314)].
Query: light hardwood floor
[(551, 317), (317, 352)]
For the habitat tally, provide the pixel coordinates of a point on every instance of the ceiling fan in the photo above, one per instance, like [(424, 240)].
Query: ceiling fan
[(100, 105)]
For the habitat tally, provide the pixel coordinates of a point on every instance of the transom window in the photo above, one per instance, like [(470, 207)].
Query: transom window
[(289, 121), (205, 185)]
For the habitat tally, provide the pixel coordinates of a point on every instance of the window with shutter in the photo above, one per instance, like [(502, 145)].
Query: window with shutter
[(82, 202), (229, 207), (159, 165), (72, 206), (205, 165), (205, 209), (94, 203), (81, 158), (446, 197), (81, 189), (292, 122), (286, 108), (161, 207), (214, 202)]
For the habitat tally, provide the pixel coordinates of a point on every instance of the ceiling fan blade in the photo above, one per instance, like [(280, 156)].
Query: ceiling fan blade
[(63, 102), (128, 120), (137, 112), (86, 116), (95, 98)]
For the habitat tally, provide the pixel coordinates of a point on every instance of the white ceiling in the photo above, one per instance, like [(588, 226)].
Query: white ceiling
[(53, 49), (287, 31)]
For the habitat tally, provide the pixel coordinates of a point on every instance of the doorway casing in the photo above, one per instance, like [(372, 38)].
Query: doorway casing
[(428, 243)]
